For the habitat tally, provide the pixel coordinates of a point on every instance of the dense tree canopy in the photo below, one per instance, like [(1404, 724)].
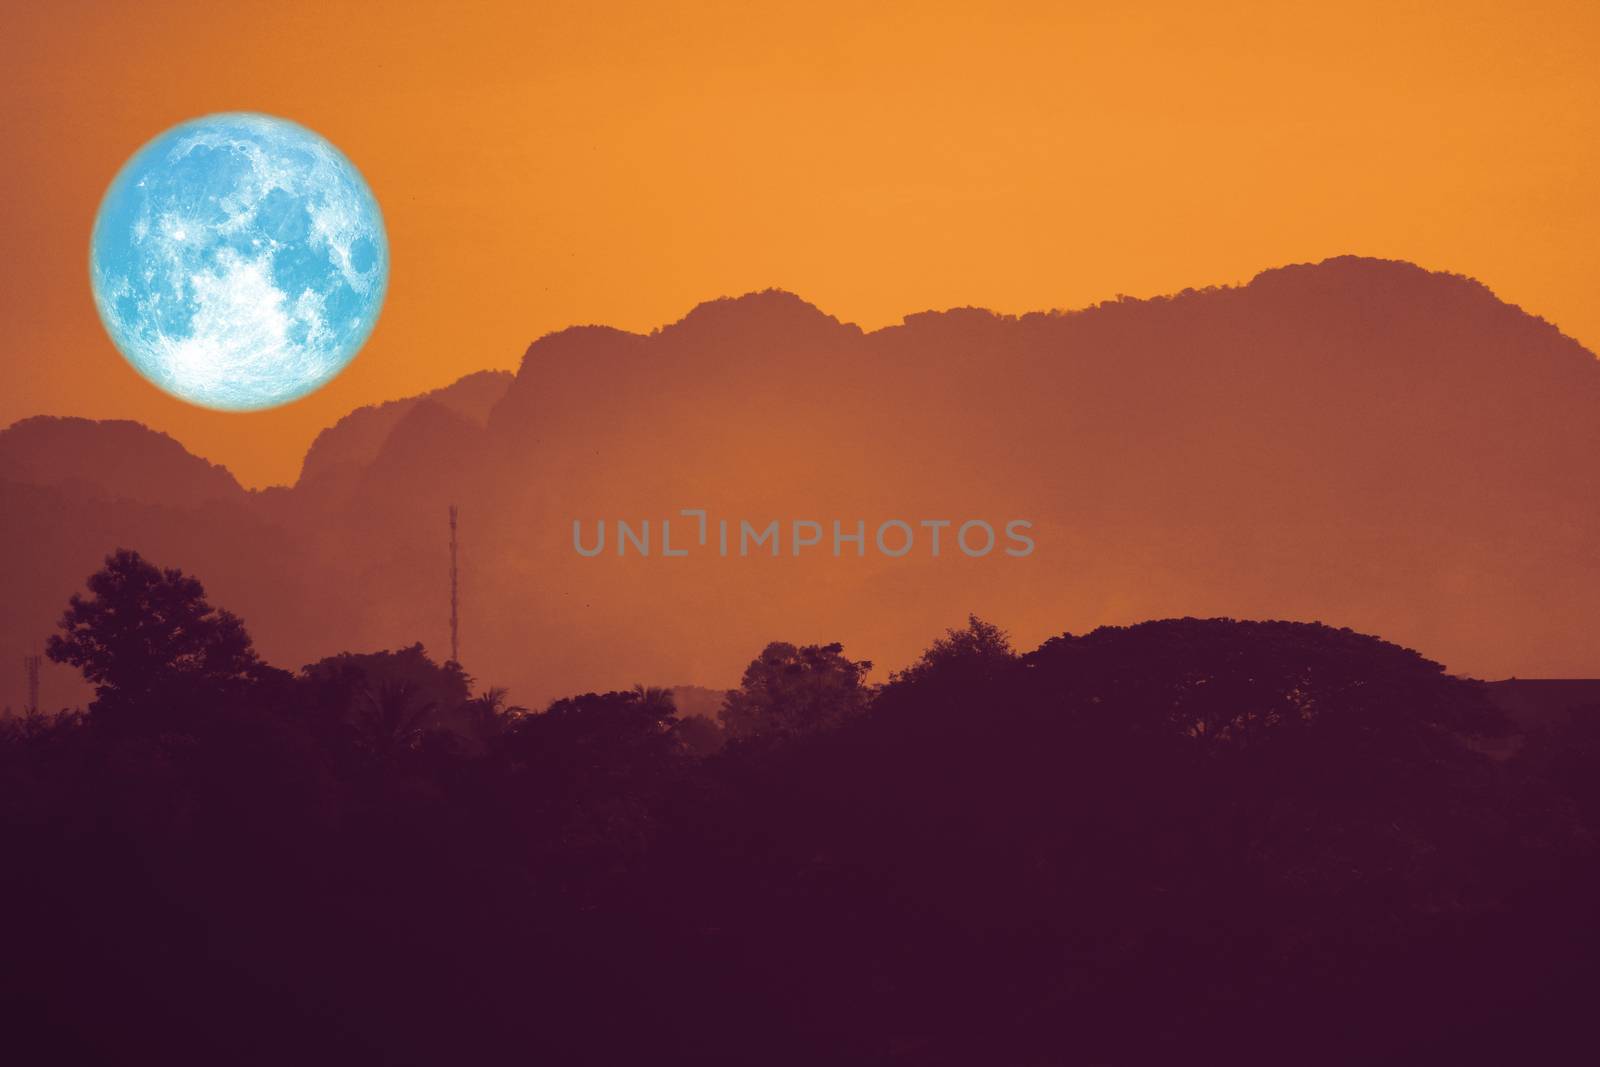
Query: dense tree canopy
[(1188, 840), (790, 690)]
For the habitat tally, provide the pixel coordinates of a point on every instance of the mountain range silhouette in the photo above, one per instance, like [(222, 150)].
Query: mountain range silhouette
[(1359, 441)]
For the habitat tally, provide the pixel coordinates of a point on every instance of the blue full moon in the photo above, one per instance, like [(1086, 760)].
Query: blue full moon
[(239, 261)]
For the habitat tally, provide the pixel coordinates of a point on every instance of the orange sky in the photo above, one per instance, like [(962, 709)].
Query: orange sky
[(545, 164)]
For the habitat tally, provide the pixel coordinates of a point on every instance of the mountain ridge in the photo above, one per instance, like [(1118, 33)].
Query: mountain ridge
[(1361, 442), (477, 393), (115, 458)]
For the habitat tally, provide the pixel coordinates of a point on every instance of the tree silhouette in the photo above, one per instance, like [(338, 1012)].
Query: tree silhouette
[(788, 691), (148, 639), (699, 735), (595, 736), (655, 700), (392, 698), (1228, 683), (489, 713), (393, 716), (495, 702), (978, 650)]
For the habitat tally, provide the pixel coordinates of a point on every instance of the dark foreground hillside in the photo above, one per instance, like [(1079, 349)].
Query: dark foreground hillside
[(1188, 841)]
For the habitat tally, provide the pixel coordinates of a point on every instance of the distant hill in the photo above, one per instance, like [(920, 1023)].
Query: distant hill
[(355, 440), (110, 460), (1358, 441)]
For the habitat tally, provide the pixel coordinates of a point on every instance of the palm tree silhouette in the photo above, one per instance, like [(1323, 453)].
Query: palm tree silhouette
[(393, 718)]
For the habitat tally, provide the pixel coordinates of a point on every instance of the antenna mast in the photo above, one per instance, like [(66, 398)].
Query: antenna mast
[(455, 623)]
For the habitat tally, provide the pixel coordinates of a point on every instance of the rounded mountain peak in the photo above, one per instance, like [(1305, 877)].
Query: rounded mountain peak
[(112, 459), (774, 312)]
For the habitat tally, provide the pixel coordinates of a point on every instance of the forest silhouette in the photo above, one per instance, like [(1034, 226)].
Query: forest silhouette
[(1182, 841)]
